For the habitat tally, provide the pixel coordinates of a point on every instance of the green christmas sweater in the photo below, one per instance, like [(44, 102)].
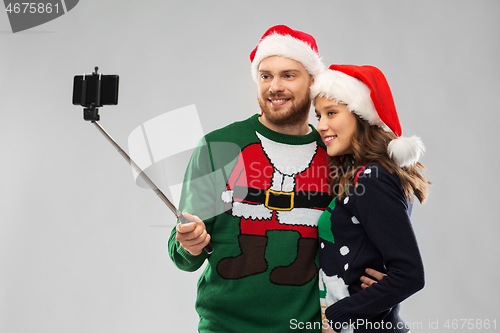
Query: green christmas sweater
[(260, 194)]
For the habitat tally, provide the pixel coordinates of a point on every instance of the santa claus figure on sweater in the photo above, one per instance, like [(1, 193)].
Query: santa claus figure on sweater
[(276, 186)]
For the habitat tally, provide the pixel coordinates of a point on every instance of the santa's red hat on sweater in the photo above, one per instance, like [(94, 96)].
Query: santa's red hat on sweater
[(366, 92), (282, 41)]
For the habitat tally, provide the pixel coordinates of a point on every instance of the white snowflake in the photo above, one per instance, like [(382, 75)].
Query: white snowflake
[(346, 200), (346, 266), (322, 245), (368, 171), (344, 250), (354, 220)]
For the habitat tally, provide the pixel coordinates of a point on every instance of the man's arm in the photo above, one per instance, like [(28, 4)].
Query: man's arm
[(197, 197)]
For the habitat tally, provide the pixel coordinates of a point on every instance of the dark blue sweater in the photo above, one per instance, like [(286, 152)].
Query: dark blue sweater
[(370, 227)]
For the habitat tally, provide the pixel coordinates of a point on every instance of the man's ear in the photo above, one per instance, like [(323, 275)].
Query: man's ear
[(311, 102)]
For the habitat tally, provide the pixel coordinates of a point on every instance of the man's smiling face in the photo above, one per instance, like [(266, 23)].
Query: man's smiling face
[(283, 91)]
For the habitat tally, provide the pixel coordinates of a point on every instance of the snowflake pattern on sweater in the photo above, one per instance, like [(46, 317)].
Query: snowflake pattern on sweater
[(369, 227)]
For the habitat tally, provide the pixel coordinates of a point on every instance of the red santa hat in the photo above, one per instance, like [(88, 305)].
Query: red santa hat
[(366, 92), (282, 41)]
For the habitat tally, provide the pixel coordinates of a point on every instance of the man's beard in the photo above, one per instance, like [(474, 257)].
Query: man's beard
[(295, 114)]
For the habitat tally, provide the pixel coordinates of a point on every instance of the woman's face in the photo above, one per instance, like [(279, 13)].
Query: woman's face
[(336, 126)]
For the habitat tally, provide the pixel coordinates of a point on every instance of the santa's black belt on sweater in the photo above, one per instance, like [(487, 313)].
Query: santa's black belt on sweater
[(283, 200)]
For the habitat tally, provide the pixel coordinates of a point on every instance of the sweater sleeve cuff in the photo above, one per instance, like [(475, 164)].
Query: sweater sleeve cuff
[(337, 319), (184, 253), (336, 316)]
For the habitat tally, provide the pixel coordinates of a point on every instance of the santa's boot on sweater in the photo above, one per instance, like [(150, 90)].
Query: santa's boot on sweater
[(302, 270), (251, 261)]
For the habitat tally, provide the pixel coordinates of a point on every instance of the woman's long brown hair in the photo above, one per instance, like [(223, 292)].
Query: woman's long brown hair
[(369, 145)]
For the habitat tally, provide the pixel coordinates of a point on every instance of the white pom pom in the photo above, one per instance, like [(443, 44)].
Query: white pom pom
[(406, 151)]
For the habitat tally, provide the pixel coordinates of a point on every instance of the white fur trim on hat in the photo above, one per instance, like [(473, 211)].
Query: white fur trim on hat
[(406, 151), (288, 47), (348, 90)]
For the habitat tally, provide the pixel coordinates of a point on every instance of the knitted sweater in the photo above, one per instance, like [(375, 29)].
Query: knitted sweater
[(369, 227), (260, 194)]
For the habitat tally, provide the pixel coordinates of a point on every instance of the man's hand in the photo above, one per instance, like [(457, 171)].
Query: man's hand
[(367, 282), (193, 236)]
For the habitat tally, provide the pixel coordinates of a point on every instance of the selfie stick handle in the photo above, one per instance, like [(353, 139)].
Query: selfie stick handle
[(163, 197)]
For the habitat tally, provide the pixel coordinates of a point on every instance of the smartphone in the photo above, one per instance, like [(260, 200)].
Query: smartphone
[(95, 90)]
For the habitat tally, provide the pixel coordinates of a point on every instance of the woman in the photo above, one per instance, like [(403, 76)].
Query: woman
[(375, 174)]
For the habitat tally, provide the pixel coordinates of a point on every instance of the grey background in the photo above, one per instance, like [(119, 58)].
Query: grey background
[(84, 249)]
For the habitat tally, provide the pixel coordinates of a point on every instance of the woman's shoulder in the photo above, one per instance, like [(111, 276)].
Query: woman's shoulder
[(374, 183), (375, 173)]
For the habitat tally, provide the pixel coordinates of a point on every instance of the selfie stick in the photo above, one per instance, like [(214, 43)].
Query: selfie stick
[(87, 93), (163, 197)]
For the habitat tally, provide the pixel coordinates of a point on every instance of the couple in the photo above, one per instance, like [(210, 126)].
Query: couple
[(260, 192)]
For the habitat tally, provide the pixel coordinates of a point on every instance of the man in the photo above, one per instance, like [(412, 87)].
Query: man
[(259, 187)]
